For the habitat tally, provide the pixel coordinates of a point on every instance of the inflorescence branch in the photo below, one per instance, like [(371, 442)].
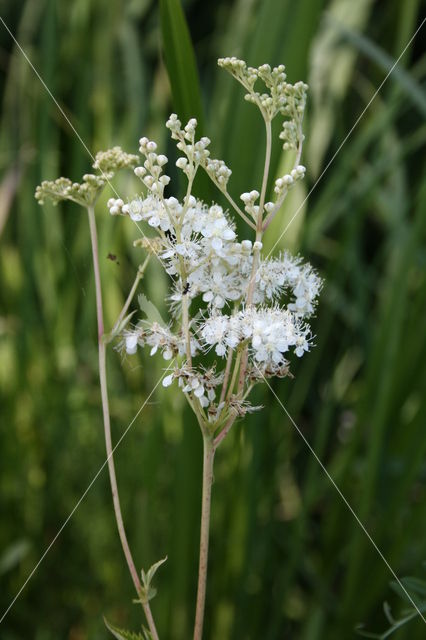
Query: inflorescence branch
[(251, 310)]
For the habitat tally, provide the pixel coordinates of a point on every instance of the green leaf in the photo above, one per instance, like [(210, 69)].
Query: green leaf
[(412, 584), (180, 62), (147, 592), (118, 328), (13, 555), (122, 634), (152, 571), (153, 315)]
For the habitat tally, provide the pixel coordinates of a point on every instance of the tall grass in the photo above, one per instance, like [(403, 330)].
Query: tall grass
[(288, 560)]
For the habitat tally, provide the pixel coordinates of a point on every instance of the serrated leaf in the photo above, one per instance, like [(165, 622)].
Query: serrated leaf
[(150, 310), (147, 634), (148, 592), (153, 570), (123, 634)]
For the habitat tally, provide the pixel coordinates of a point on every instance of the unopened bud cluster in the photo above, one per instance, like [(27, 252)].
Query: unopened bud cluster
[(280, 97), (283, 184), (85, 193)]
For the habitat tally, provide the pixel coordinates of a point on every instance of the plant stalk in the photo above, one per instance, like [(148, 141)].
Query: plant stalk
[(139, 275), (256, 253), (107, 423), (208, 459)]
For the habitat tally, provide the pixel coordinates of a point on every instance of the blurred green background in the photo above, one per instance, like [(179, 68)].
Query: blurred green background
[(288, 560)]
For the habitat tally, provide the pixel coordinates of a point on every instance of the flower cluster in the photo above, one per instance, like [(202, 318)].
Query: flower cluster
[(269, 332), (217, 266), (280, 97), (110, 161), (159, 338), (107, 163), (83, 193), (251, 310), (202, 383)]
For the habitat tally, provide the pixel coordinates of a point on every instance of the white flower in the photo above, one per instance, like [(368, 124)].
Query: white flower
[(134, 209), (214, 332), (261, 313), (131, 342), (217, 230), (270, 332)]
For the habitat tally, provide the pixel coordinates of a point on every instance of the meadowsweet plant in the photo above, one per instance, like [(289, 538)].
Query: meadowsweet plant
[(237, 316)]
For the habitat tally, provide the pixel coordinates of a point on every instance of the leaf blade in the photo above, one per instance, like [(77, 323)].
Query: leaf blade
[(180, 61)]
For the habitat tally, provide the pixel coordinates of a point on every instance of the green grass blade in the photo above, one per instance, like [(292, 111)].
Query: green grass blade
[(388, 64), (180, 62)]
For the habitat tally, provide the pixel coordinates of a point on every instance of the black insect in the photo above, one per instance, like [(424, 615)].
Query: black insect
[(170, 236), (186, 288), (112, 257)]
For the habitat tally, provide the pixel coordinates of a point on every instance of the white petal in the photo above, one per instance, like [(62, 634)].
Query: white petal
[(199, 391), (154, 221), (167, 381), (220, 350), (217, 244), (228, 234), (131, 344)]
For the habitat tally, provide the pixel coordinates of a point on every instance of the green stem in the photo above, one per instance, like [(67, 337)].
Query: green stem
[(208, 459), (107, 423), (234, 374), (265, 171), (139, 276), (280, 202), (237, 208), (256, 252), (226, 375), (222, 434)]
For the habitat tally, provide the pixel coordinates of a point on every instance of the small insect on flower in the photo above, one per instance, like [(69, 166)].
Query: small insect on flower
[(170, 236)]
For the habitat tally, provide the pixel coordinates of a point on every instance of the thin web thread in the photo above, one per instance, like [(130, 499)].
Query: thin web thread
[(346, 138), (345, 500), (283, 232), (147, 399), (69, 122), (82, 497)]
